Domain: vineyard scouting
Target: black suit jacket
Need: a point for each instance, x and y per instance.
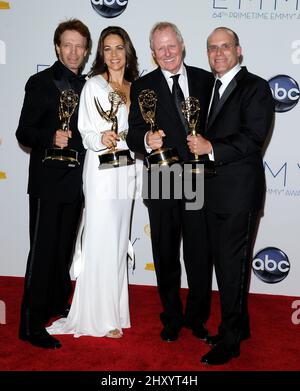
(38, 123)
(200, 84)
(237, 130)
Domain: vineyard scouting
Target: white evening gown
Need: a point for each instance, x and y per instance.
(100, 301)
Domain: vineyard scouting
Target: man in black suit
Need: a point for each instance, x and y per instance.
(169, 218)
(55, 193)
(239, 120)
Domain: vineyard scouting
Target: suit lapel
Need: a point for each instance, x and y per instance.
(165, 97)
(192, 83)
(61, 82)
(229, 90)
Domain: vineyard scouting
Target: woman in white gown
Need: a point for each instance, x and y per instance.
(100, 303)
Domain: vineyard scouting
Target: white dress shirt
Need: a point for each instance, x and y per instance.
(225, 80)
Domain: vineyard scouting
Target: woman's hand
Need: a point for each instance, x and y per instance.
(109, 138)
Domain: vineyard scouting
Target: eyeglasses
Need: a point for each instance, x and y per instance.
(223, 47)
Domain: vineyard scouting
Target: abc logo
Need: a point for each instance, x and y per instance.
(271, 265)
(285, 92)
(109, 8)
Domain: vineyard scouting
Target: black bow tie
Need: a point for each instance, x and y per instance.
(76, 78)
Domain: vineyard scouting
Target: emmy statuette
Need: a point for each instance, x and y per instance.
(114, 157)
(64, 157)
(161, 156)
(190, 110)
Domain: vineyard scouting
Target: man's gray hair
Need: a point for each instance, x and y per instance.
(162, 26)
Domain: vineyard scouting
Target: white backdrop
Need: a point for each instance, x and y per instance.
(270, 38)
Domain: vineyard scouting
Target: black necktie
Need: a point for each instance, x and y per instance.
(216, 97)
(178, 97)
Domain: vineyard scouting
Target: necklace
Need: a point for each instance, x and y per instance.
(122, 89)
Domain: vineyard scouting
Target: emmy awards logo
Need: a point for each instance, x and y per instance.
(114, 157)
(191, 110)
(64, 157)
(161, 156)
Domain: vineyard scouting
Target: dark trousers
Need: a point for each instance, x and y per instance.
(47, 287)
(232, 237)
(170, 221)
